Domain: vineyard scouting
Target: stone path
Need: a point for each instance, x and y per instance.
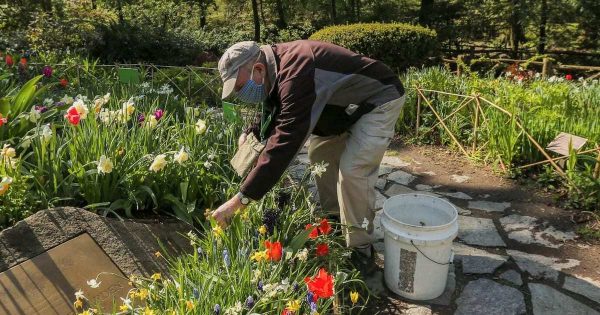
(498, 268)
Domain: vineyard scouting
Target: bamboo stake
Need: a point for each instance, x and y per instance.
(476, 122)
(561, 158)
(443, 124)
(446, 93)
(597, 168)
(418, 114)
(451, 114)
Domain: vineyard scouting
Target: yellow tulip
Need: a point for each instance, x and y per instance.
(354, 297)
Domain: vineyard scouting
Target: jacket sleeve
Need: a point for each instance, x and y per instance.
(292, 127)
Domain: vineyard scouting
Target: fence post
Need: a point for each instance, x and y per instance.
(418, 114)
(597, 168)
(546, 67)
(459, 62)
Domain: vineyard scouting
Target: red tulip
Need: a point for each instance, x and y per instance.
(64, 82)
(274, 250)
(569, 77)
(73, 116)
(314, 233)
(3, 120)
(324, 227)
(322, 249)
(9, 61)
(286, 312)
(321, 285)
(23, 61)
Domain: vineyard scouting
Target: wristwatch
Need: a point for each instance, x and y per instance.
(243, 199)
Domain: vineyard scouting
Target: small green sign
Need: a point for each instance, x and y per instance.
(231, 112)
(129, 75)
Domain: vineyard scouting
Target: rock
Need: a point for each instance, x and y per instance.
(430, 173)
(526, 230)
(379, 200)
(512, 276)
(384, 170)
(446, 297)
(375, 283)
(297, 171)
(422, 187)
(380, 184)
(380, 250)
(396, 189)
(486, 297)
(583, 286)
(548, 301)
(303, 158)
(462, 211)
(401, 177)
(394, 161)
(378, 232)
(314, 194)
(478, 231)
(460, 178)
(489, 206)
(413, 309)
(539, 266)
(456, 195)
(477, 261)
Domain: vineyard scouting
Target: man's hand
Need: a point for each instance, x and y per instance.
(242, 139)
(225, 212)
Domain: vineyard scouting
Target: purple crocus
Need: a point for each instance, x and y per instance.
(158, 114)
(141, 118)
(41, 109)
(47, 71)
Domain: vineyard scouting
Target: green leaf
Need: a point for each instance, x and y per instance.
(25, 96)
(299, 240)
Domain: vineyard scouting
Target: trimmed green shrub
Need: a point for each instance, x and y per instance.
(398, 45)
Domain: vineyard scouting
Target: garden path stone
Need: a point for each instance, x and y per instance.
(380, 250)
(459, 178)
(530, 230)
(512, 276)
(430, 173)
(385, 169)
(583, 286)
(456, 195)
(379, 200)
(478, 231)
(376, 283)
(378, 232)
(303, 158)
(489, 206)
(396, 189)
(394, 161)
(380, 184)
(297, 171)
(422, 187)
(486, 297)
(130, 245)
(477, 261)
(548, 301)
(401, 177)
(539, 266)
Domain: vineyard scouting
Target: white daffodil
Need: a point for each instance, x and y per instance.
(302, 255)
(48, 102)
(46, 133)
(34, 115)
(105, 165)
(67, 100)
(5, 185)
(160, 161)
(319, 169)
(207, 164)
(200, 127)
(181, 156)
(81, 108)
(93, 283)
(8, 152)
(79, 295)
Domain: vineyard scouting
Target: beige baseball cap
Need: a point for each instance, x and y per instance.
(235, 57)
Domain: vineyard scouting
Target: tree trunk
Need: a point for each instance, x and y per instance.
(262, 12)
(256, 20)
(543, 21)
(515, 28)
(333, 13)
(281, 24)
(93, 4)
(120, 10)
(425, 12)
(357, 10)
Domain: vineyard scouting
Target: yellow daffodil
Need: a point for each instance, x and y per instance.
(259, 256)
(155, 276)
(354, 297)
(128, 108)
(181, 156)
(200, 127)
(142, 294)
(5, 185)
(262, 230)
(86, 312)
(105, 165)
(78, 303)
(158, 255)
(123, 308)
(148, 311)
(151, 122)
(160, 161)
(217, 230)
(293, 305)
(189, 305)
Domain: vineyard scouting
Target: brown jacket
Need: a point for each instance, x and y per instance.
(312, 85)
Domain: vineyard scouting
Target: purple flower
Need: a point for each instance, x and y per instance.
(141, 118)
(41, 109)
(260, 286)
(217, 309)
(47, 71)
(200, 252)
(249, 302)
(196, 293)
(159, 113)
(226, 258)
(310, 297)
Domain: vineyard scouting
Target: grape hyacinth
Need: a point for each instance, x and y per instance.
(226, 258)
(249, 302)
(217, 309)
(196, 293)
(269, 219)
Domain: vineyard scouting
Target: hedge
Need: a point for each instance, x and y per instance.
(398, 45)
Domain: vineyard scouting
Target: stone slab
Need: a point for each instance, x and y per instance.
(530, 230)
(394, 161)
(379, 200)
(489, 206)
(384, 170)
(459, 178)
(477, 261)
(380, 184)
(539, 266)
(486, 297)
(303, 158)
(479, 231)
(396, 189)
(401, 177)
(512, 276)
(456, 195)
(548, 301)
(583, 286)
(46, 284)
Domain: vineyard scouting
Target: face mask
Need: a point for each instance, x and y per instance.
(252, 92)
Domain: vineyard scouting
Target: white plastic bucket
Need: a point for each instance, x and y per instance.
(419, 230)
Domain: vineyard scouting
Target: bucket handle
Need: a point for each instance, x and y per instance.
(443, 264)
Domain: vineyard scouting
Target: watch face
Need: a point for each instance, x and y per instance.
(245, 200)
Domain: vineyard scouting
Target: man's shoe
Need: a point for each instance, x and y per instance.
(363, 258)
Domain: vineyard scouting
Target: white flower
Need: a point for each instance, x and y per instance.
(5, 184)
(82, 98)
(288, 255)
(126, 302)
(302, 255)
(128, 108)
(79, 295)
(234, 310)
(81, 108)
(365, 223)
(48, 102)
(67, 100)
(160, 161)
(256, 276)
(145, 85)
(319, 169)
(93, 283)
(8, 152)
(207, 164)
(46, 133)
(105, 165)
(200, 127)
(34, 115)
(181, 156)
(106, 97)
